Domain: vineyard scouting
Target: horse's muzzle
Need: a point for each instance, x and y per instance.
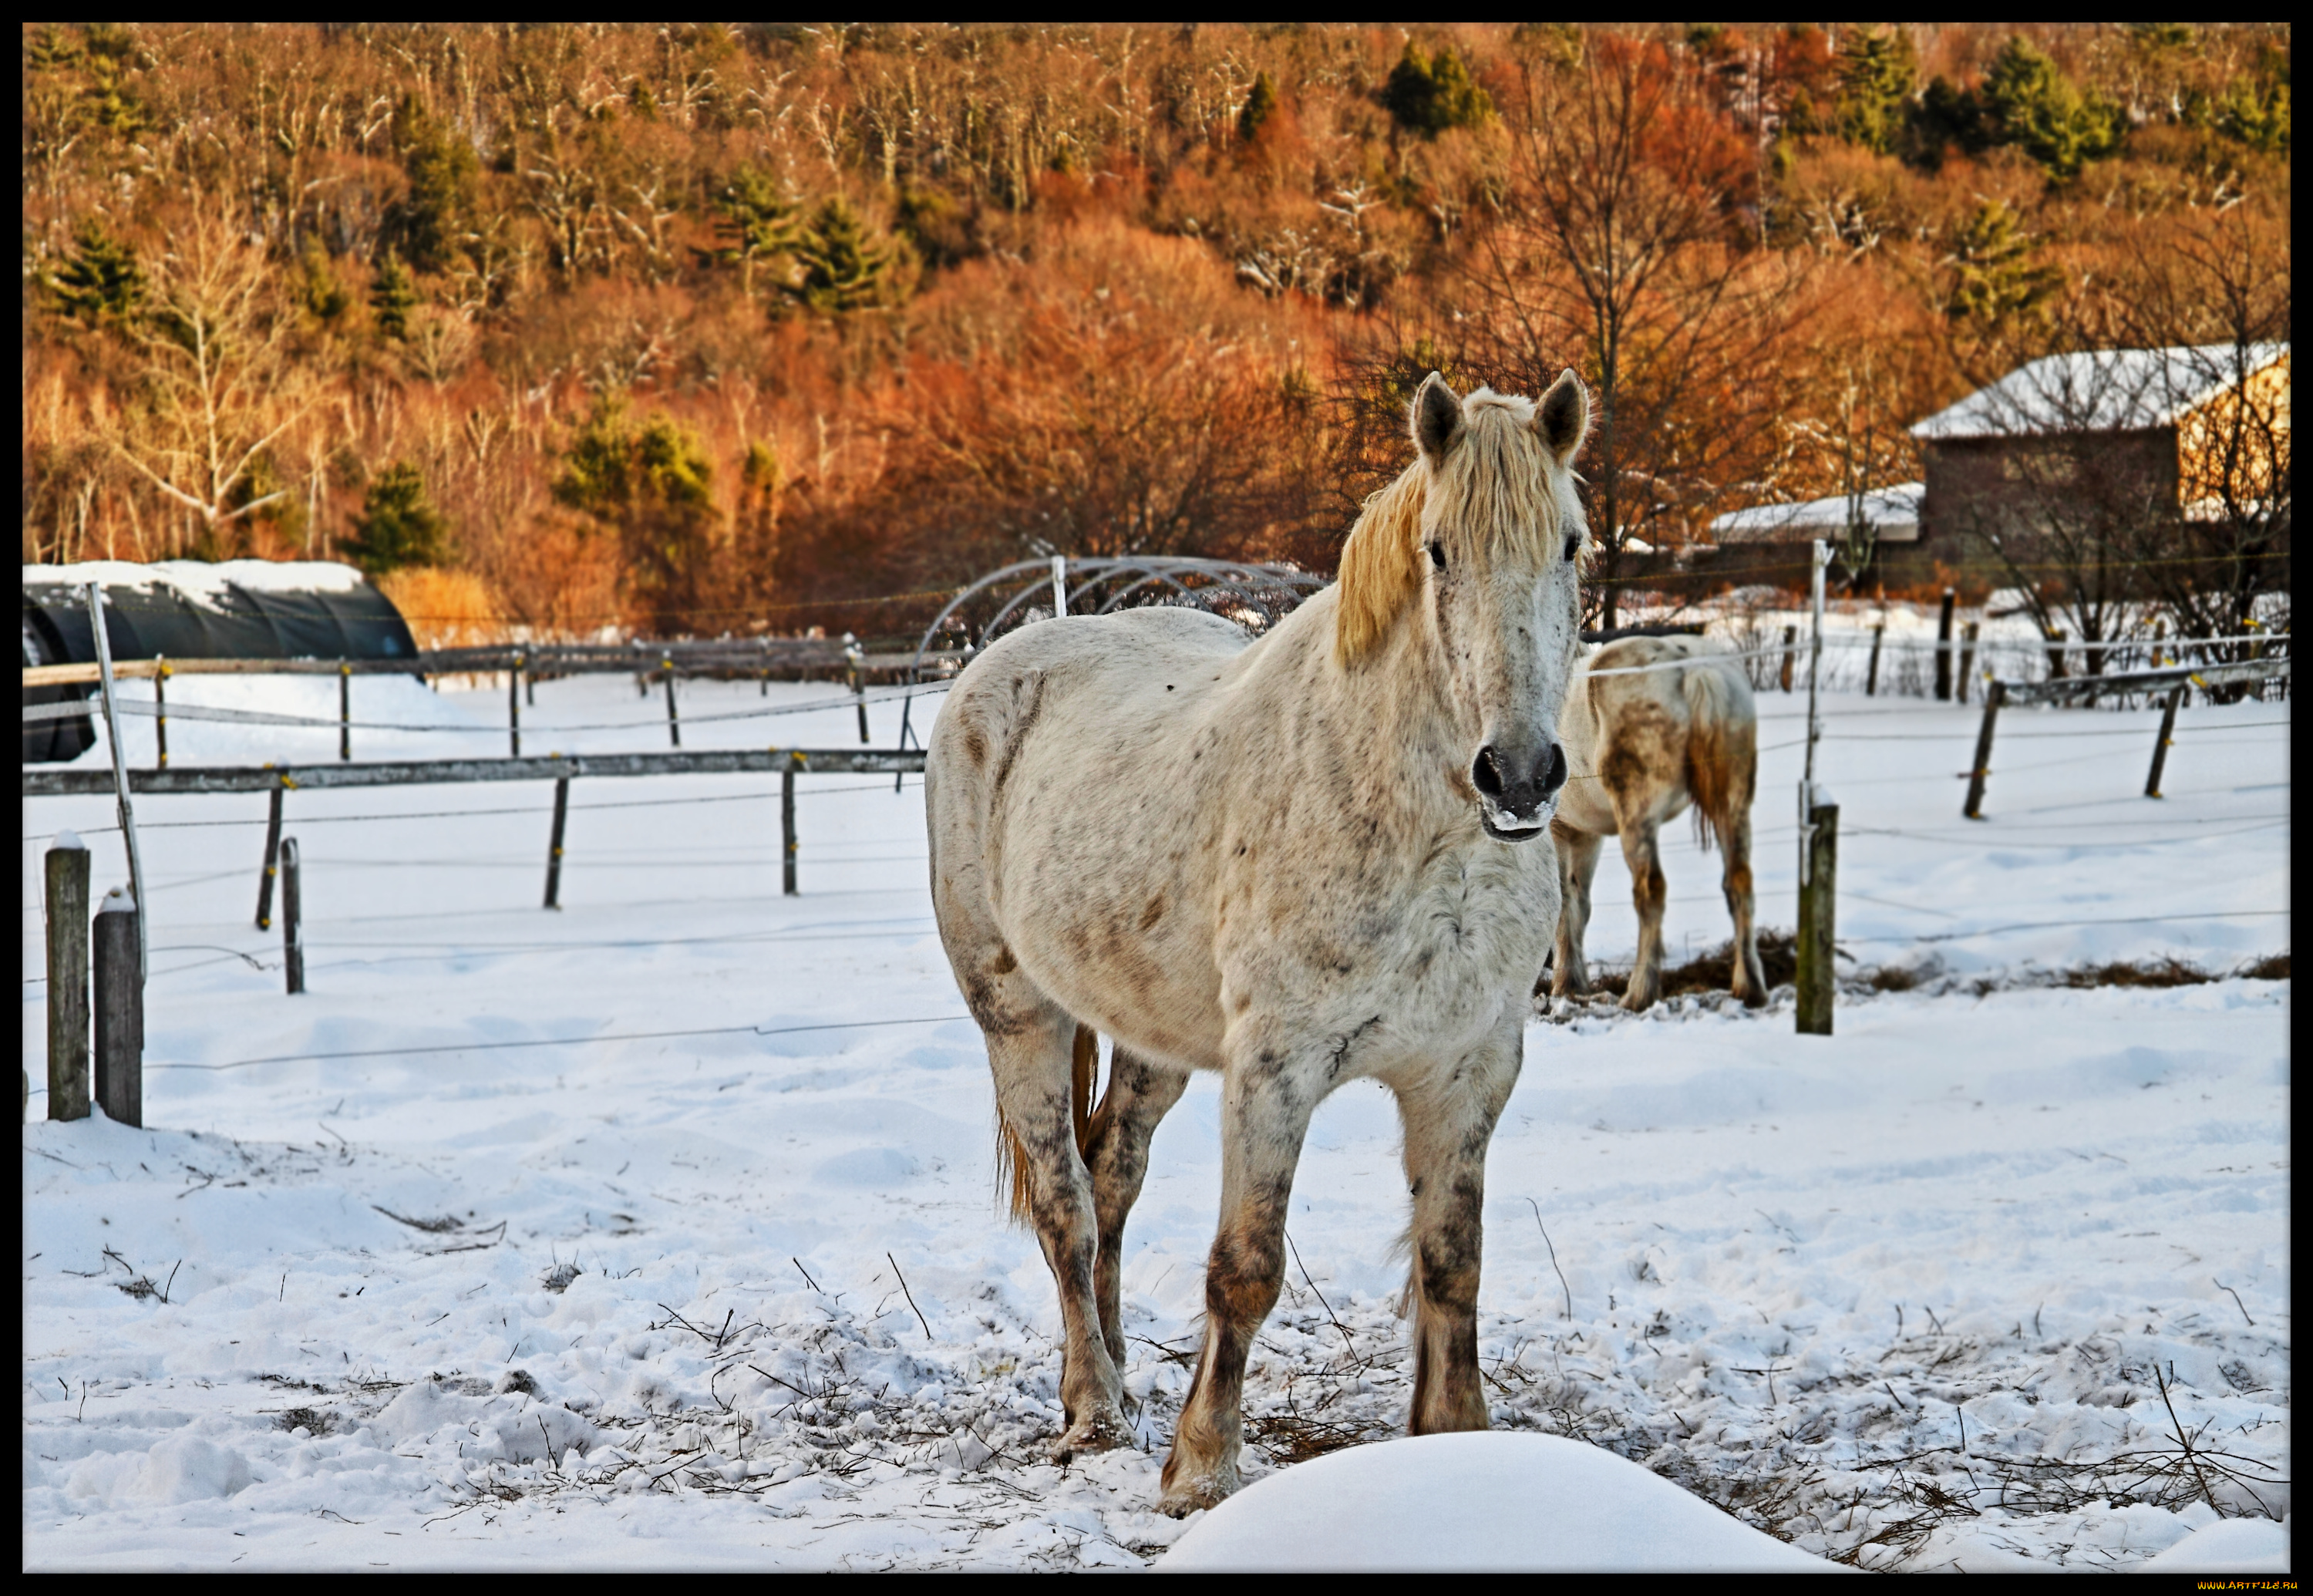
(1517, 788)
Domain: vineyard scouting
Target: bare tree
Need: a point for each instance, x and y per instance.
(2221, 291)
(1619, 248)
(218, 381)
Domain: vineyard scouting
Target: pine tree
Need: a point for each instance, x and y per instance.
(321, 289)
(757, 221)
(1428, 96)
(1877, 71)
(652, 485)
(1997, 281)
(52, 49)
(100, 285)
(842, 268)
(393, 298)
(398, 525)
(434, 216)
(2036, 108)
(1260, 107)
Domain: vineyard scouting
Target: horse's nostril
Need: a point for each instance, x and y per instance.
(1553, 775)
(1488, 778)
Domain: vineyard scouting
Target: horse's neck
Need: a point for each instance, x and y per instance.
(1394, 704)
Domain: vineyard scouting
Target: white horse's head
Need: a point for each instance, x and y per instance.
(1479, 544)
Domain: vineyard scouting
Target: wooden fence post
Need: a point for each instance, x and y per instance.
(68, 907)
(786, 831)
(1944, 648)
(292, 932)
(1818, 976)
(1871, 677)
(1968, 658)
(161, 711)
(2057, 653)
(554, 849)
(1790, 636)
(272, 855)
(119, 1011)
(674, 727)
(2160, 744)
(1994, 695)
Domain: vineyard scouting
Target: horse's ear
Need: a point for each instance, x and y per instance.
(1563, 419)
(1436, 418)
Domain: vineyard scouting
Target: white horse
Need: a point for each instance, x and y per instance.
(1681, 728)
(1298, 860)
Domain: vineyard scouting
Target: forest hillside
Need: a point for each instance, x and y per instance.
(694, 330)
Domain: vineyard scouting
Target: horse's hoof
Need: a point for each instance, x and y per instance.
(1097, 1433)
(1179, 1501)
(1638, 1003)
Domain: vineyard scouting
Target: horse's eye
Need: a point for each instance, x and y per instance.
(1573, 543)
(1437, 555)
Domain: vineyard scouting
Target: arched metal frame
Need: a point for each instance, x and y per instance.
(1225, 587)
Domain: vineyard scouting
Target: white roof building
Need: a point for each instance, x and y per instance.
(2100, 390)
(1893, 513)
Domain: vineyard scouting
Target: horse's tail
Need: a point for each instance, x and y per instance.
(1722, 749)
(1012, 1158)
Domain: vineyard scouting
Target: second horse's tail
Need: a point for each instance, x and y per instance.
(1722, 749)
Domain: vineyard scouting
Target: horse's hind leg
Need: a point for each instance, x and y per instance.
(1117, 1153)
(1648, 893)
(1032, 1055)
(1749, 983)
(1578, 866)
(1449, 1119)
(1265, 1107)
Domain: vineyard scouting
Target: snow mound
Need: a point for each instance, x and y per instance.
(2232, 1545)
(1467, 1502)
(181, 1468)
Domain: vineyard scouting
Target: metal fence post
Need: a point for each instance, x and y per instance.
(513, 705)
(345, 710)
(66, 901)
(161, 711)
(674, 727)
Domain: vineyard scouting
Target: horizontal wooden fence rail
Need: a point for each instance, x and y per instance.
(2171, 679)
(680, 659)
(550, 767)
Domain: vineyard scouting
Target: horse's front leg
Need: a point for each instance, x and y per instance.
(1648, 893)
(1265, 1109)
(1139, 1096)
(1449, 1120)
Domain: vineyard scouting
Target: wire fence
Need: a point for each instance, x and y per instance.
(1850, 648)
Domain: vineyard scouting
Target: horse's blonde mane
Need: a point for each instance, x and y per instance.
(1491, 468)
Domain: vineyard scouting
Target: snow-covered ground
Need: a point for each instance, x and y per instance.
(679, 1205)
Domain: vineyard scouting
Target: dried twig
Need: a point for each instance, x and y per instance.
(1346, 1341)
(807, 1280)
(2237, 1302)
(910, 1296)
(1554, 1256)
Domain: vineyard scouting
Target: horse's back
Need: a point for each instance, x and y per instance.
(1063, 782)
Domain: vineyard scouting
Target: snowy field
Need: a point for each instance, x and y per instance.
(679, 1203)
